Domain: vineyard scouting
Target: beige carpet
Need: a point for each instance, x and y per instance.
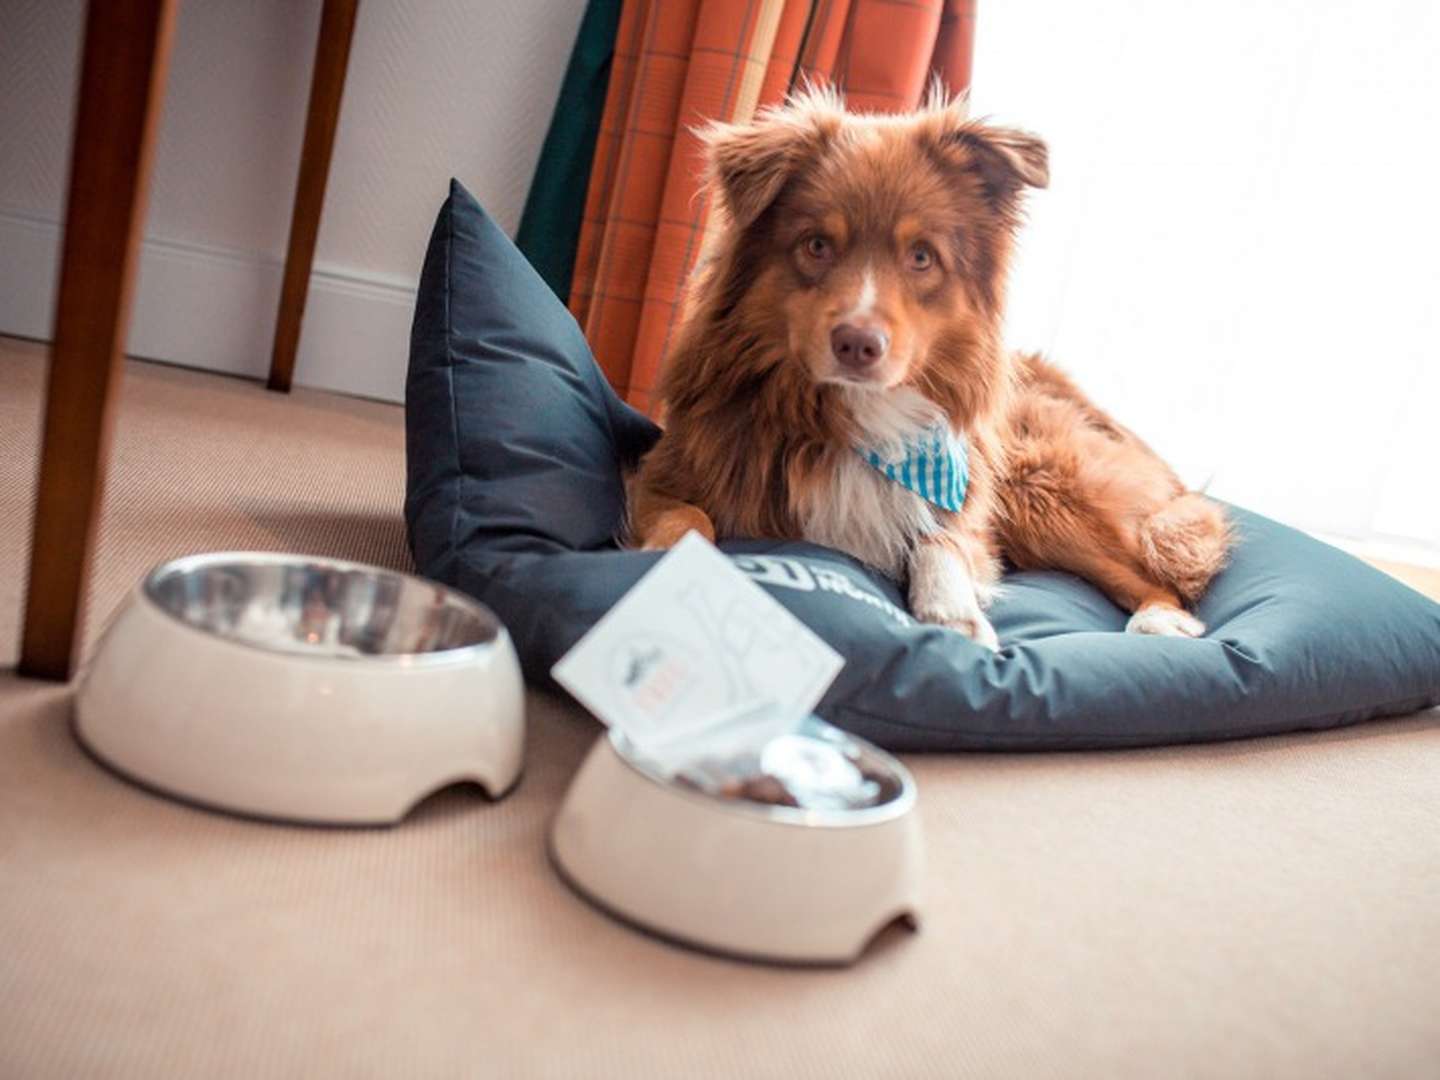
(1258, 909)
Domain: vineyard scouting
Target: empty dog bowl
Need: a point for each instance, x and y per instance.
(797, 845)
(303, 688)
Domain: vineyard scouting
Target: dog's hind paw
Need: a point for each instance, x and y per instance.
(1166, 621)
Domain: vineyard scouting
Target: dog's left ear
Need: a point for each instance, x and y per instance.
(1005, 159)
(749, 164)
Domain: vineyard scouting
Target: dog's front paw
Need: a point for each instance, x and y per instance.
(1166, 621)
(942, 592)
(664, 530)
(973, 624)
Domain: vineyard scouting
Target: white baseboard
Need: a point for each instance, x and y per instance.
(214, 309)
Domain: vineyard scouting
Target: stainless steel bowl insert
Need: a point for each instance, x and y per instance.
(804, 772)
(320, 607)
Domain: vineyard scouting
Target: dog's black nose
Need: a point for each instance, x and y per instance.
(857, 346)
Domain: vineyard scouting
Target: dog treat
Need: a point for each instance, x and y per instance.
(798, 769)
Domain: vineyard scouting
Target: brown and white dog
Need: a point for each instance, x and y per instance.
(853, 297)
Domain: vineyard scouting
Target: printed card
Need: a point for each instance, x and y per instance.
(694, 642)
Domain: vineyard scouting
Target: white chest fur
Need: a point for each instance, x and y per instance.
(860, 511)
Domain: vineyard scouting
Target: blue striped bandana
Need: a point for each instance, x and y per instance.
(934, 464)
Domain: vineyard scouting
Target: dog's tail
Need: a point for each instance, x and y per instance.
(1186, 543)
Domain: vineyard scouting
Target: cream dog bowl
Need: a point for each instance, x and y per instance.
(795, 845)
(308, 689)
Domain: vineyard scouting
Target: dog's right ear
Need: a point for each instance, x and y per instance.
(748, 164)
(1007, 159)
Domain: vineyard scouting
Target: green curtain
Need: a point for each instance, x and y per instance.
(550, 226)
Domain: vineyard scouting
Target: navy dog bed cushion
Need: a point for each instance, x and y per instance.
(516, 448)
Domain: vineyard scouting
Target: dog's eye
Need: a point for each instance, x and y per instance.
(921, 257)
(817, 247)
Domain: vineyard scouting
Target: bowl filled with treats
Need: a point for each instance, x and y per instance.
(762, 837)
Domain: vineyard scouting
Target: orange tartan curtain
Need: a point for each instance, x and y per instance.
(679, 63)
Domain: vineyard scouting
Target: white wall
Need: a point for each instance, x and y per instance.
(436, 88)
(1240, 251)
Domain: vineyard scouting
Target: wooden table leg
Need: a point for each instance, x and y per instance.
(122, 84)
(327, 84)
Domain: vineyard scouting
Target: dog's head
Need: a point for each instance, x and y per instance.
(872, 250)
